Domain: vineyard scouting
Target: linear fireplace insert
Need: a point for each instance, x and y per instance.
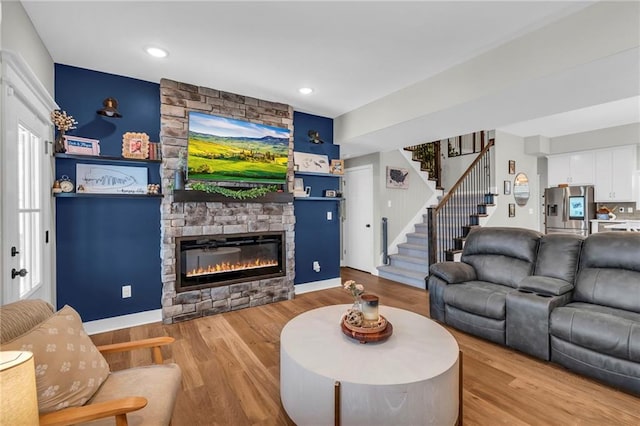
(217, 260)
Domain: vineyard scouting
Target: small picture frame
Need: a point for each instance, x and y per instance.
(135, 145)
(512, 210)
(507, 187)
(397, 177)
(81, 146)
(337, 167)
(512, 167)
(330, 193)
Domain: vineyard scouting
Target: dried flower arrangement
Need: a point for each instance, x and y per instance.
(355, 289)
(62, 121)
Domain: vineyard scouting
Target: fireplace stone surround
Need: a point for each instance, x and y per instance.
(197, 218)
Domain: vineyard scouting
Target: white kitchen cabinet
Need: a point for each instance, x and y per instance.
(576, 168)
(614, 173)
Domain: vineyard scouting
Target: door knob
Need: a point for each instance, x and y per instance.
(22, 273)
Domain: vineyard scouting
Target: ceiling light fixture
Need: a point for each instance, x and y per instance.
(156, 52)
(305, 90)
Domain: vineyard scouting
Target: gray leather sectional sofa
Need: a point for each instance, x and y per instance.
(557, 297)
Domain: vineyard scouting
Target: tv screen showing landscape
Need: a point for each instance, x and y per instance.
(224, 149)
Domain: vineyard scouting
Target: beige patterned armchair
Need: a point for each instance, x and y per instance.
(73, 379)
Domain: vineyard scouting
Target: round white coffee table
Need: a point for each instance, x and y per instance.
(410, 379)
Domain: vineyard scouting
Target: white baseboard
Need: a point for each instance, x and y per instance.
(123, 321)
(317, 285)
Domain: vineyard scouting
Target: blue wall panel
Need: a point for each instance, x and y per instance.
(317, 239)
(105, 243)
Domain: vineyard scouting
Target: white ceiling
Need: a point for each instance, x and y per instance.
(351, 53)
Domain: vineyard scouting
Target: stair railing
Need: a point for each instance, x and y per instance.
(428, 154)
(460, 208)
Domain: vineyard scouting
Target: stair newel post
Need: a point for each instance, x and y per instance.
(433, 235)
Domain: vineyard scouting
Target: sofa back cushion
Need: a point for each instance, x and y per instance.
(19, 317)
(558, 256)
(609, 271)
(501, 255)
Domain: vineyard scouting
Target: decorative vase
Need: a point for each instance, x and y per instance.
(58, 146)
(178, 182)
(357, 303)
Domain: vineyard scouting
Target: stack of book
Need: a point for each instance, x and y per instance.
(154, 151)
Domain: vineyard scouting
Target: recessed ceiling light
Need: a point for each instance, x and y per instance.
(305, 90)
(156, 52)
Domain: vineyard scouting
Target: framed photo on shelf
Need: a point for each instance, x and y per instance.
(81, 146)
(135, 145)
(507, 187)
(512, 210)
(512, 167)
(108, 179)
(337, 167)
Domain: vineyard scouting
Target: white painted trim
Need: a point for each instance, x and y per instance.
(123, 321)
(317, 285)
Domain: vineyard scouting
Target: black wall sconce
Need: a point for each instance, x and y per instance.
(110, 108)
(314, 136)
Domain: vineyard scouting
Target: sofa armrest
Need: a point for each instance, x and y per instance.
(545, 285)
(453, 272)
(117, 407)
(154, 343)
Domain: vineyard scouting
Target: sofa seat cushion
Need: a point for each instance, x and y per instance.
(158, 383)
(603, 329)
(478, 297)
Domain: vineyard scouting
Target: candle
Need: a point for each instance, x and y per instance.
(370, 307)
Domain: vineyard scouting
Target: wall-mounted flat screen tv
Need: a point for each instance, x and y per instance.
(228, 150)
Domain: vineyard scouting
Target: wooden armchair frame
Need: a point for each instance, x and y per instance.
(117, 407)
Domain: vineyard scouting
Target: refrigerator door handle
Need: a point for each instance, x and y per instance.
(565, 200)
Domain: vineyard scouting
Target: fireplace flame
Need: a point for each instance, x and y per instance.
(228, 267)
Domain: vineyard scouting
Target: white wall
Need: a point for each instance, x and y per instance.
(19, 36)
(511, 147)
(405, 203)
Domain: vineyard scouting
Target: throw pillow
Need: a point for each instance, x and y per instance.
(69, 367)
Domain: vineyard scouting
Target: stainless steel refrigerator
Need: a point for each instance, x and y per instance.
(569, 209)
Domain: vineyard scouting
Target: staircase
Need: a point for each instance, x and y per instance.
(468, 201)
(464, 207)
(410, 266)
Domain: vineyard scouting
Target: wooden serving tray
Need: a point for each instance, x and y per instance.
(368, 337)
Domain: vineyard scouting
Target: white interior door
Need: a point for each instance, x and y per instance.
(358, 218)
(27, 251)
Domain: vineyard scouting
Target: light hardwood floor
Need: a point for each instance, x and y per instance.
(230, 364)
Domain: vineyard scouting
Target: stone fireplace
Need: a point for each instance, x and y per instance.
(206, 224)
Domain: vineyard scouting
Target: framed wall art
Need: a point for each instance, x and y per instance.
(512, 210)
(337, 167)
(512, 167)
(397, 177)
(507, 187)
(135, 145)
(107, 179)
(315, 163)
(81, 146)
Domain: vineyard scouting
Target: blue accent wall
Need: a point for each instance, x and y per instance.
(105, 243)
(317, 239)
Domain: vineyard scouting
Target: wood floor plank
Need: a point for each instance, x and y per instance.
(231, 368)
